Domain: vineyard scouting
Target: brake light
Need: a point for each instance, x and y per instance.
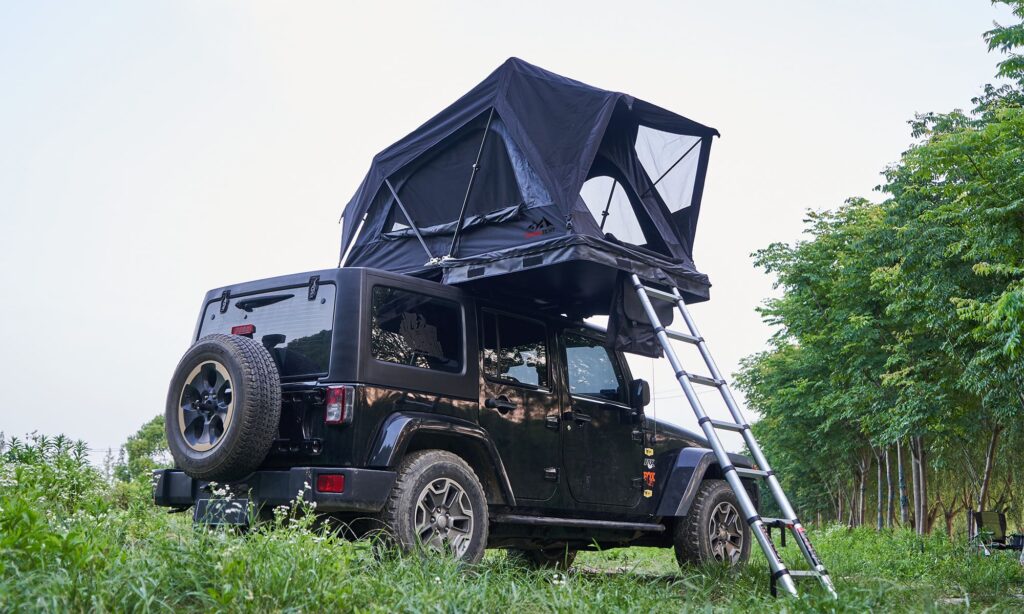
(330, 482)
(245, 330)
(339, 402)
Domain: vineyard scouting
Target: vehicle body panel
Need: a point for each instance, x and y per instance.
(537, 447)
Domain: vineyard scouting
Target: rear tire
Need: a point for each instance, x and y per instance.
(437, 503)
(555, 557)
(714, 531)
(223, 408)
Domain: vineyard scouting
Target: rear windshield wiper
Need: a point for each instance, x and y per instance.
(249, 304)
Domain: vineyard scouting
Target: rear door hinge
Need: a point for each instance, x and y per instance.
(314, 287)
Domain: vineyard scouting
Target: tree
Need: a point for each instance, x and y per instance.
(143, 452)
(901, 324)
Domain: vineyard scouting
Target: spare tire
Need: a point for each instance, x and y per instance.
(223, 408)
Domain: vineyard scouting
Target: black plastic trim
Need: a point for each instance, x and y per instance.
(366, 490)
(399, 428)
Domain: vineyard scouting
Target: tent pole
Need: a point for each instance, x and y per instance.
(352, 243)
(686, 153)
(412, 224)
(608, 205)
(469, 188)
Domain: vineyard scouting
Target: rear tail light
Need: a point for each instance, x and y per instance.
(340, 400)
(245, 330)
(330, 482)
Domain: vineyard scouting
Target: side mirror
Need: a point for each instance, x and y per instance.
(639, 394)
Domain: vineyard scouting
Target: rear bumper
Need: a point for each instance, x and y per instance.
(366, 490)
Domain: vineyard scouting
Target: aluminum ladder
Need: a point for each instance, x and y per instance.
(760, 527)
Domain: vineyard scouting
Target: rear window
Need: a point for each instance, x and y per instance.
(296, 330)
(409, 328)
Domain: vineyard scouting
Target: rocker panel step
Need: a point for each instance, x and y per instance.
(552, 521)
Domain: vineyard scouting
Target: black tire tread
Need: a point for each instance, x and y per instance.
(408, 471)
(687, 533)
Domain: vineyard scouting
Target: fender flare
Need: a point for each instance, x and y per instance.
(399, 428)
(691, 465)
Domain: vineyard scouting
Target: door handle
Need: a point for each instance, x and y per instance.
(500, 403)
(576, 416)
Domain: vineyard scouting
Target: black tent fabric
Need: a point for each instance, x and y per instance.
(537, 186)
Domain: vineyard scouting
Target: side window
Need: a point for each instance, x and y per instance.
(515, 350)
(409, 328)
(593, 372)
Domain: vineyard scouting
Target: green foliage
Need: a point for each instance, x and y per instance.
(904, 320)
(144, 451)
(66, 544)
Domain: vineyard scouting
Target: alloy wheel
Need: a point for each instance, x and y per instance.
(444, 517)
(206, 406)
(725, 531)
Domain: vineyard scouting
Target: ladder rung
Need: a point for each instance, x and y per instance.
(678, 336)
(658, 294)
(728, 426)
(706, 381)
(803, 573)
(751, 473)
(776, 522)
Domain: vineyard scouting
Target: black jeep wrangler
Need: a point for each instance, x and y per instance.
(452, 421)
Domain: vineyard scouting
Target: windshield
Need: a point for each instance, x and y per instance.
(296, 330)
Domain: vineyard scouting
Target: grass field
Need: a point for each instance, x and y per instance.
(71, 542)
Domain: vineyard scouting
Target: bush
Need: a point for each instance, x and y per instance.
(69, 541)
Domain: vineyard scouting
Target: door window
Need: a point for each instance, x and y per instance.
(515, 350)
(592, 369)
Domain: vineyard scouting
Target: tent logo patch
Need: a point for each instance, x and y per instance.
(538, 228)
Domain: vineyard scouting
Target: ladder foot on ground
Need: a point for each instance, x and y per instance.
(760, 527)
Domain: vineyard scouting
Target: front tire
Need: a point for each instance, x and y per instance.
(437, 504)
(714, 531)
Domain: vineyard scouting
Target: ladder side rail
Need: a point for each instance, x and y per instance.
(797, 529)
(737, 415)
(775, 562)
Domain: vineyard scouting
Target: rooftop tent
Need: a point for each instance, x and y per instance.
(560, 188)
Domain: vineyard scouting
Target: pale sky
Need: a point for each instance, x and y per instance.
(150, 151)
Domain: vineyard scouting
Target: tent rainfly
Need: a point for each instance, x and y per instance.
(540, 189)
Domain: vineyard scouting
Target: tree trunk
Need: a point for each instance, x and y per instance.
(890, 511)
(915, 493)
(902, 481)
(862, 489)
(924, 487)
(990, 461)
(880, 520)
(920, 461)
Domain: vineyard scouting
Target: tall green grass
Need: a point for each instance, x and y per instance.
(69, 541)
